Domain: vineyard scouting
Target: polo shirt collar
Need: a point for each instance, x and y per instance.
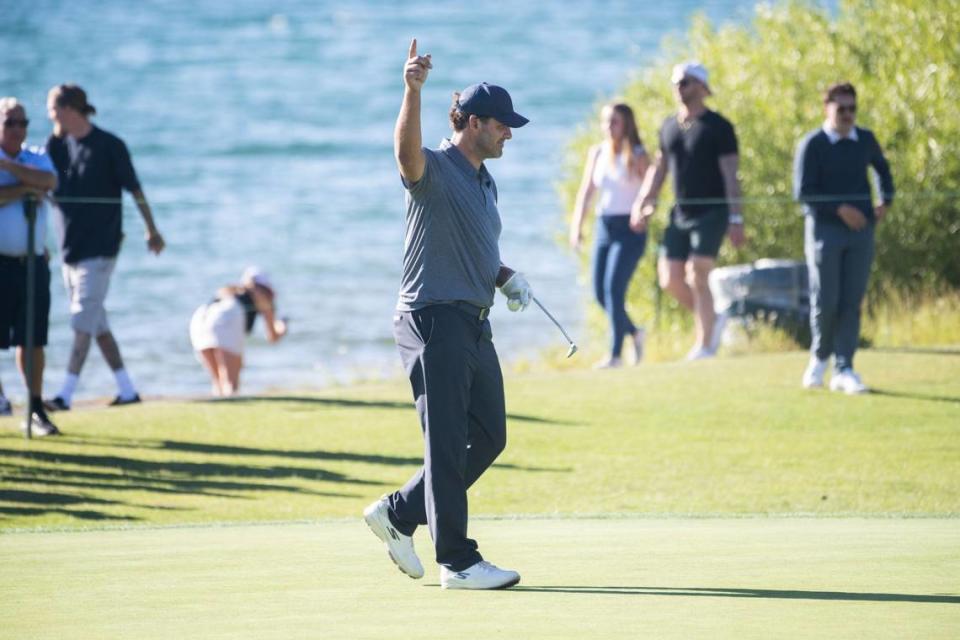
(834, 136)
(451, 151)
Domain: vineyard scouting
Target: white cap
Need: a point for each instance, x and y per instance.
(692, 69)
(256, 275)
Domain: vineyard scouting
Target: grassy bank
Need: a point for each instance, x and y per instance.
(731, 436)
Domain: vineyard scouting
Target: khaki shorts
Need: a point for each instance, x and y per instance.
(87, 283)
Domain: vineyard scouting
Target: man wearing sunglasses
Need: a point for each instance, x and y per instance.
(830, 179)
(24, 173)
(699, 147)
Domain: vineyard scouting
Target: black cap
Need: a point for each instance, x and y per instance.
(489, 100)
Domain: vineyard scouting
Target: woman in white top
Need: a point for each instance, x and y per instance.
(218, 328)
(615, 169)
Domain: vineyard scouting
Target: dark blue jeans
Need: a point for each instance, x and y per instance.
(838, 260)
(615, 257)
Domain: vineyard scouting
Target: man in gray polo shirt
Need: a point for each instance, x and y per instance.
(451, 268)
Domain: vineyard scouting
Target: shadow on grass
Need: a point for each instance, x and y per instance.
(720, 592)
(306, 454)
(82, 514)
(914, 396)
(362, 404)
(927, 351)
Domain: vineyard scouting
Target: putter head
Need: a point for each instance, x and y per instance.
(573, 350)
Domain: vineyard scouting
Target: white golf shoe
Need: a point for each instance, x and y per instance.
(813, 376)
(848, 382)
(399, 547)
(482, 575)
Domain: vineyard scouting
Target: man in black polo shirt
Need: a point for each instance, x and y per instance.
(700, 147)
(830, 179)
(93, 166)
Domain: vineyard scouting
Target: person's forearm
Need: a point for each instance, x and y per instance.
(734, 195)
(407, 138)
(30, 176)
(12, 193)
(652, 183)
(584, 198)
(145, 211)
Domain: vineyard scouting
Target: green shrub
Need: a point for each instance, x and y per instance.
(768, 77)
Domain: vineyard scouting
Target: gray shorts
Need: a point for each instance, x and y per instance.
(87, 283)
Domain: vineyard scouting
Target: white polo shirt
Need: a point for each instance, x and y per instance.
(13, 224)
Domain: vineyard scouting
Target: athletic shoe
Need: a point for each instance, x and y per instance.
(699, 353)
(609, 363)
(482, 575)
(56, 404)
(399, 547)
(813, 376)
(119, 401)
(40, 425)
(719, 324)
(6, 409)
(639, 337)
(848, 382)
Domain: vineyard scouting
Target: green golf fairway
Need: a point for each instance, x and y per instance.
(714, 500)
(616, 578)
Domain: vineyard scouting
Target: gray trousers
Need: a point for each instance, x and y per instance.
(457, 385)
(839, 260)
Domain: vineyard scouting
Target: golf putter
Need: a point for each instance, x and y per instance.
(573, 347)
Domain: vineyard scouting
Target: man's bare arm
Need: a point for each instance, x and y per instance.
(30, 176)
(729, 165)
(155, 242)
(407, 137)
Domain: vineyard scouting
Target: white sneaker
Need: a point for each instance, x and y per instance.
(639, 337)
(699, 353)
(848, 382)
(482, 575)
(813, 376)
(399, 547)
(609, 363)
(719, 324)
(40, 426)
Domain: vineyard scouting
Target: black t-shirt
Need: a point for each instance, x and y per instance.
(694, 156)
(95, 166)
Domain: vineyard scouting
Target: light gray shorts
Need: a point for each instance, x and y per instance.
(87, 283)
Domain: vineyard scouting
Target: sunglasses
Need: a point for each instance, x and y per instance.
(14, 122)
(684, 83)
(847, 108)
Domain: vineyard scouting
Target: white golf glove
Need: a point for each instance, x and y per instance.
(518, 292)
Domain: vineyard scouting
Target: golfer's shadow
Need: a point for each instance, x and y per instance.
(721, 592)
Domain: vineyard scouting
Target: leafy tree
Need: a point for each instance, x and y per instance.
(768, 78)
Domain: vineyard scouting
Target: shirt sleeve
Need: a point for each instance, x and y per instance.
(727, 139)
(123, 168)
(426, 182)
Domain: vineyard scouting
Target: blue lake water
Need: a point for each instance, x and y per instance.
(262, 133)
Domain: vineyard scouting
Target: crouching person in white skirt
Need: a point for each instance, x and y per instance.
(218, 329)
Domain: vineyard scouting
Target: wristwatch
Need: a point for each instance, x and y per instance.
(736, 218)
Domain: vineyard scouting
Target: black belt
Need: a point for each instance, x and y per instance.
(480, 313)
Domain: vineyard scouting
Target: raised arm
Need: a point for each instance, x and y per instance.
(729, 165)
(407, 138)
(584, 198)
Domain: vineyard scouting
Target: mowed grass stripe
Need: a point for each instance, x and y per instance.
(731, 436)
(669, 578)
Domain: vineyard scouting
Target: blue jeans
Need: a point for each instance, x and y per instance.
(839, 260)
(615, 258)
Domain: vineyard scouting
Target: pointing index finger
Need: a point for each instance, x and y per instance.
(413, 49)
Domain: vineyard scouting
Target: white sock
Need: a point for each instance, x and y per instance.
(69, 386)
(124, 384)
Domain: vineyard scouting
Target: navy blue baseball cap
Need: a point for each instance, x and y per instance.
(488, 100)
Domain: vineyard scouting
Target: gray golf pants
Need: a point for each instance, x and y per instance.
(838, 260)
(447, 351)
